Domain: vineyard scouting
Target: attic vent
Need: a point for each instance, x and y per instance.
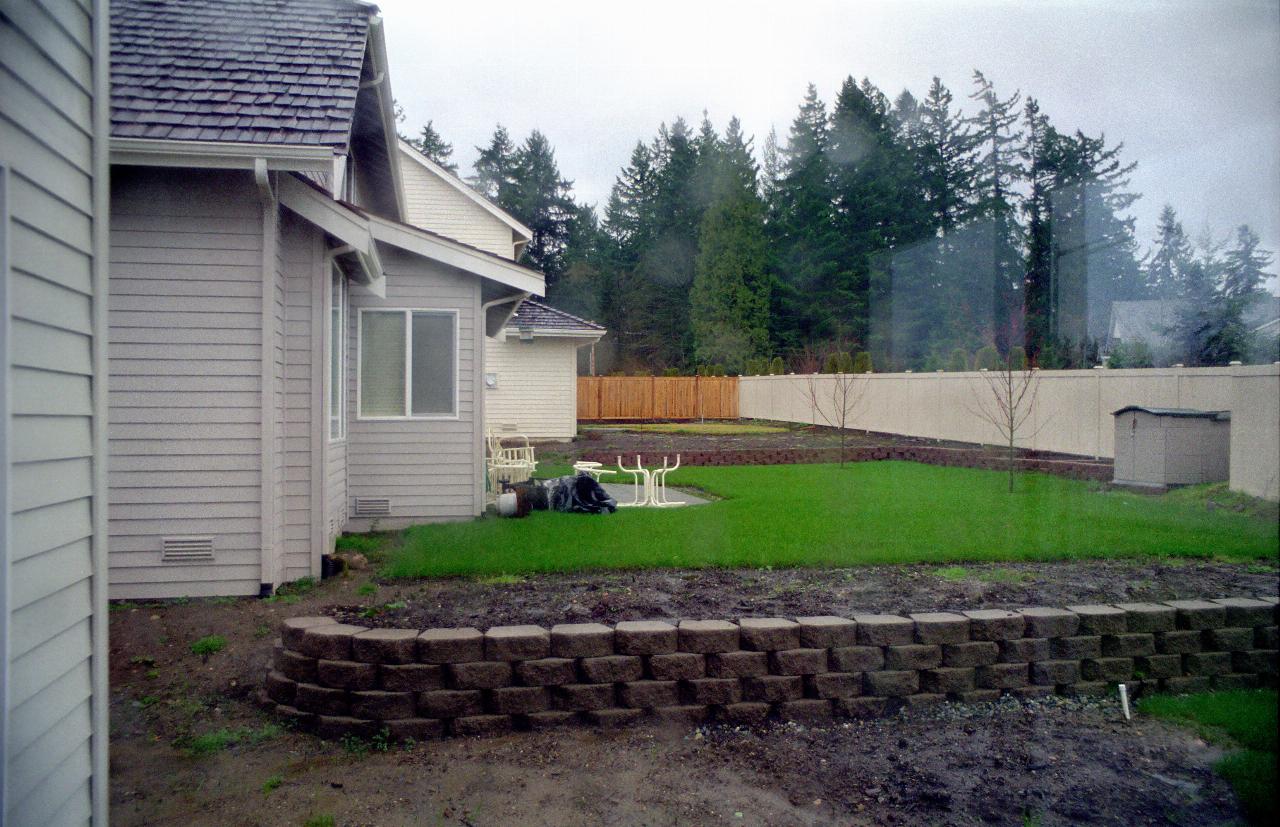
(373, 507)
(187, 550)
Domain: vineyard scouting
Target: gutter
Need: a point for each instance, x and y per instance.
(220, 155)
(267, 426)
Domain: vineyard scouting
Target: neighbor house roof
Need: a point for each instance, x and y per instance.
(1151, 320)
(237, 71)
(547, 320)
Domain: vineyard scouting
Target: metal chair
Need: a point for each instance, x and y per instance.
(658, 486)
(642, 495)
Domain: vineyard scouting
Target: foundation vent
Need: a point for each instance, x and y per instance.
(373, 507)
(186, 550)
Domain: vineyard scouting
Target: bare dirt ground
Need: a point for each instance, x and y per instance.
(733, 593)
(609, 437)
(1051, 762)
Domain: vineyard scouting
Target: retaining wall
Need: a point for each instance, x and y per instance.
(336, 679)
(1076, 468)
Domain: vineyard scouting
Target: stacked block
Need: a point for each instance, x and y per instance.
(337, 679)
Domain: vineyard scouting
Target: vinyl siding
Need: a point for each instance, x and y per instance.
(428, 468)
(52, 172)
(537, 390)
(301, 247)
(186, 373)
(434, 205)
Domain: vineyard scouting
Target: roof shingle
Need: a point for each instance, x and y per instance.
(538, 316)
(277, 71)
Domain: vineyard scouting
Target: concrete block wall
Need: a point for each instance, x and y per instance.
(336, 679)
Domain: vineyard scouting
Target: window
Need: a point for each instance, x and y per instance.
(408, 364)
(337, 356)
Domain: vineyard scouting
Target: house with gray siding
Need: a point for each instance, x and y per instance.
(290, 357)
(531, 367)
(53, 552)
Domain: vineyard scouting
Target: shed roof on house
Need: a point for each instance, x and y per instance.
(1177, 413)
(542, 318)
(237, 71)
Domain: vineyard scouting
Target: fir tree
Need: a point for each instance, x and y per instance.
(730, 293)
(431, 144)
(803, 231)
(1244, 269)
(1171, 258)
(948, 158)
(541, 199)
(495, 168)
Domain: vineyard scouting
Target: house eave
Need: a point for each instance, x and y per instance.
(152, 152)
(457, 255)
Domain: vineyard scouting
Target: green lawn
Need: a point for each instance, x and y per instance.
(1245, 719)
(825, 515)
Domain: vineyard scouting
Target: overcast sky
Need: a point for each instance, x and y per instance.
(1192, 88)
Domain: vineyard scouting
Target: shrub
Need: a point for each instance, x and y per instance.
(671, 371)
(861, 363)
(987, 358)
(1136, 354)
(959, 361)
(838, 362)
(776, 368)
(209, 645)
(1017, 358)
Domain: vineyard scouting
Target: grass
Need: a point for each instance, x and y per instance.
(209, 645)
(211, 743)
(1244, 719)
(697, 428)
(825, 515)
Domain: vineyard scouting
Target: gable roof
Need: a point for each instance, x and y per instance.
(238, 71)
(548, 321)
(412, 154)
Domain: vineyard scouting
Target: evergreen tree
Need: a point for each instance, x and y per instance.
(495, 168)
(730, 292)
(997, 173)
(431, 144)
(541, 199)
(803, 231)
(1171, 258)
(1244, 269)
(771, 166)
(948, 158)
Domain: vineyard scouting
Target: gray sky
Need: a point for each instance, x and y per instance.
(1192, 88)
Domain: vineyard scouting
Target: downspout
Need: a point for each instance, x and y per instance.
(267, 197)
(478, 442)
(320, 507)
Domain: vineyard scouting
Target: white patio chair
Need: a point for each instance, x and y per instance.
(641, 481)
(658, 486)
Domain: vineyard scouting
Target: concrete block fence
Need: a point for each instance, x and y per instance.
(336, 679)
(1076, 468)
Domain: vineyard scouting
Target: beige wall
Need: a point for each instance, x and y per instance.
(428, 468)
(434, 205)
(53, 214)
(537, 390)
(1072, 414)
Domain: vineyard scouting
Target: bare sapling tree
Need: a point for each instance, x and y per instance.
(835, 397)
(1008, 402)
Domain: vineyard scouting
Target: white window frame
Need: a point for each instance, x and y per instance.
(408, 363)
(340, 415)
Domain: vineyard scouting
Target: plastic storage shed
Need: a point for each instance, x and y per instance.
(1163, 447)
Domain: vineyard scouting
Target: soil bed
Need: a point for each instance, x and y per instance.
(1050, 762)
(600, 437)
(732, 593)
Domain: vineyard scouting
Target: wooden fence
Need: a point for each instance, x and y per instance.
(657, 397)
